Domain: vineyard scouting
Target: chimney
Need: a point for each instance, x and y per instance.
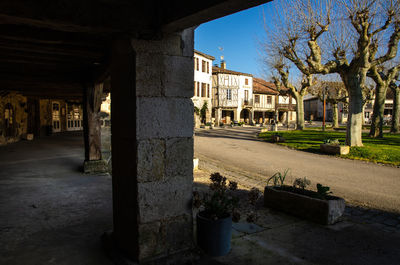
(223, 64)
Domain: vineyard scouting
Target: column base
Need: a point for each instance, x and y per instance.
(95, 166)
(118, 257)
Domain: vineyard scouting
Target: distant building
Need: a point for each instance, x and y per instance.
(264, 98)
(202, 84)
(285, 107)
(232, 96)
(313, 109)
(314, 106)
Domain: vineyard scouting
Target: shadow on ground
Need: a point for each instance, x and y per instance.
(277, 238)
(52, 214)
(230, 133)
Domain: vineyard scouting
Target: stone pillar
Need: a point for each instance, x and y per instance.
(236, 115)
(284, 117)
(92, 130)
(152, 147)
(218, 116)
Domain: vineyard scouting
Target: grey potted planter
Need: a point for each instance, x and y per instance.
(214, 236)
(214, 221)
(305, 204)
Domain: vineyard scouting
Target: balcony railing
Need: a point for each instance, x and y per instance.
(286, 106)
(247, 102)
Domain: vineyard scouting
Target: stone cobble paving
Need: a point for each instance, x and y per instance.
(378, 219)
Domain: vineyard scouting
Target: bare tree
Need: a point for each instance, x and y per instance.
(383, 77)
(297, 93)
(334, 93)
(396, 105)
(302, 40)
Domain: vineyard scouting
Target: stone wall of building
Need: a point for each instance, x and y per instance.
(13, 117)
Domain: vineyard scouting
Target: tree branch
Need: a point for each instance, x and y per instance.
(386, 25)
(392, 46)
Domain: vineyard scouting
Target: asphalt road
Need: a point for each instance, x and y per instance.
(361, 183)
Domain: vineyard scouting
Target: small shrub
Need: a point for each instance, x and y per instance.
(254, 195)
(196, 110)
(323, 191)
(301, 183)
(221, 203)
(332, 141)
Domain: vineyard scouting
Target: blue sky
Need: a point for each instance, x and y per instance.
(239, 35)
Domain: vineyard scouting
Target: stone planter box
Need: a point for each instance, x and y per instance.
(277, 139)
(335, 149)
(324, 212)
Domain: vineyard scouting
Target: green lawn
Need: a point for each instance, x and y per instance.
(386, 150)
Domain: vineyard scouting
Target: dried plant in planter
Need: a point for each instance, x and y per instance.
(254, 195)
(301, 183)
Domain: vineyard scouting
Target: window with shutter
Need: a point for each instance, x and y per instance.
(203, 90)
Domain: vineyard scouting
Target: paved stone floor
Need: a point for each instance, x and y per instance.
(51, 213)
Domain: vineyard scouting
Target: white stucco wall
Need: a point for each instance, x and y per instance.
(202, 78)
(243, 87)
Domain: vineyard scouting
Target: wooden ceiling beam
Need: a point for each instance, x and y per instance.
(10, 54)
(89, 16)
(49, 50)
(29, 34)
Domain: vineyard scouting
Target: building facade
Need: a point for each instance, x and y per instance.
(313, 110)
(232, 96)
(285, 108)
(202, 87)
(264, 99)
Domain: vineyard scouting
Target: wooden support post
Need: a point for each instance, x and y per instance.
(92, 130)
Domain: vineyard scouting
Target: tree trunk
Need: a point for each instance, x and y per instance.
(396, 110)
(353, 82)
(379, 108)
(335, 115)
(299, 112)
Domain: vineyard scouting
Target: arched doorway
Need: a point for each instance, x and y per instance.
(245, 116)
(9, 120)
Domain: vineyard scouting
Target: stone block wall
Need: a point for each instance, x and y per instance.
(164, 134)
(152, 146)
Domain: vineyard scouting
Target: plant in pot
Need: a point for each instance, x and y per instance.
(217, 211)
